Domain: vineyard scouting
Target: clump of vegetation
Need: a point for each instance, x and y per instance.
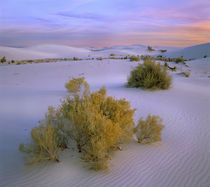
(163, 51)
(98, 124)
(112, 54)
(75, 59)
(44, 144)
(18, 63)
(3, 59)
(166, 64)
(205, 56)
(172, 68)
(186, 74)
(99, 58)
(134, 58)
(149, 75)
(179, 59)
(149, 48)
(149, 130)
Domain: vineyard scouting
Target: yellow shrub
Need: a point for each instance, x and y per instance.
(134, 58)
(149, 130)
(44, 144)
(97, 123)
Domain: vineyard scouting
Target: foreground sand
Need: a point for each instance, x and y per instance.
(181, 159)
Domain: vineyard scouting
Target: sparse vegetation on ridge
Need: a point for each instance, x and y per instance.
(134, 58)
(3, 59)
(149, 75)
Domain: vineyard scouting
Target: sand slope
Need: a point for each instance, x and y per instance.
(194, 52)
(181, 159)
(42, 51)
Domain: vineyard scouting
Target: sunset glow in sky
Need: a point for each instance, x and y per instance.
(104, 22)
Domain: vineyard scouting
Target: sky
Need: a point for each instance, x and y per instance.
(102, 23)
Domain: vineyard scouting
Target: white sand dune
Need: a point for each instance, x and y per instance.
(194, 52)
(181, 159)
(42, 51)
(61, 51)
(123, 50)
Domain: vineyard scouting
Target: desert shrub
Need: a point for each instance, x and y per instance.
(149, 75)
(3, 59)
(172, 68)
(179, 59)
(75, 59)
(19, 63)
(99, 58)
(44, 144)
(112, 54)
(12, 61)
(75, 85)
(149, 48)
(163, 51)
(187, 74)
(97, 123)
(134, 58)
(47, 139)
(149, 130)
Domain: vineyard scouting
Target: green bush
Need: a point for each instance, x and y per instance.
(149, 130)
(149, 75)
(134, 58)
(3, 59)
(112, 54)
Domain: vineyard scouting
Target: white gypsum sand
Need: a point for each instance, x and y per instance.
(181, 159)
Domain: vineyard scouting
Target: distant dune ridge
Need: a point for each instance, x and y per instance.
(194, 52)
(61, 51)
(43, 51)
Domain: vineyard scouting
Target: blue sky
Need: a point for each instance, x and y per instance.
(104, 22)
